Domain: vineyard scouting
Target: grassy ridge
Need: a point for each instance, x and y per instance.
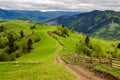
(38, 64)
(43, 53)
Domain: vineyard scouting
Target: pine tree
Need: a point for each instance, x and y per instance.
(11, 44)
(21, 33)
(87, 40)
(1, 28)
(29, 45)
(63, 26)
(118, 45)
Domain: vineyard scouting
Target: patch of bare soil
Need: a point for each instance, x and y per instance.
(82, 73)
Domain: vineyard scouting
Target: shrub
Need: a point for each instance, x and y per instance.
(37, 38)
(33, 27)
(12, 46)
(12, 56)
(55, 37)
(87, 51)
(21, 33)
(61, 31)
(4, 56)
(58, 32)
(11, 41)
(98, 51)
(29, 45)
(18, 54)
(2, 28)
(3, 42)
(80, 48)
(87, 41)
(118, 46)
(65, 31)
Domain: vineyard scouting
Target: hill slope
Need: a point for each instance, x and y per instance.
(103, 24)
(39, 64)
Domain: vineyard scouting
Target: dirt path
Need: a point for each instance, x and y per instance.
(57, 54)
(80, 72)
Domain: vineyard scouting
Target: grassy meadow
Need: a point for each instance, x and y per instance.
(39, 63)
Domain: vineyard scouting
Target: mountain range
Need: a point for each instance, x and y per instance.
(33, 15)
(101, 24)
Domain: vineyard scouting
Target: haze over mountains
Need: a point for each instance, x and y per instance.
(33, 15)
(102, 24)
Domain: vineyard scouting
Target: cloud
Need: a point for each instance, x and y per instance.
(61, 5)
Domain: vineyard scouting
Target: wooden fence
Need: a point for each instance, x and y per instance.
(116, 64)
(111, 61)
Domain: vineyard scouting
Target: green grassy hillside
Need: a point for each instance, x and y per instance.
(38, 64)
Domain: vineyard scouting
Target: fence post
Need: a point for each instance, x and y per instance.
(100, 61)
(91, 60)
(110, 61)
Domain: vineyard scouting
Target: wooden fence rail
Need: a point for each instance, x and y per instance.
(111, 62)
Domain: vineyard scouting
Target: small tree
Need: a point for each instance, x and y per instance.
(1, 28)
(29, 45)
(21, 33)
(63, 26)
(118, 46)
(98, 52)
(11, 43)
(65, 32)
(33, 27)
(87, 40)
(72, 28)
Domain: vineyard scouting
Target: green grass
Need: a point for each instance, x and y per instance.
(108, 69)
(43, 53)
(34, 72)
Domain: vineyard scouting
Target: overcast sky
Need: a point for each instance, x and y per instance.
(61, 5)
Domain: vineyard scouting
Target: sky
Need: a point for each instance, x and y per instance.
(61, 5)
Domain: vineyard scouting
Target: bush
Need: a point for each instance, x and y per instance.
(4, 56)
(2, 28)
(65, 31)
(55, 37)
(3, 42)
(29, 45)
(87, 51)
(58, 32)
(87, 41)
(21, 33)
(80, 48)
(18, 54)
(33, 27)
(12, 56)
(61, 31)
(11, 44)
(37, 38)
(98, 52)
(118, 46)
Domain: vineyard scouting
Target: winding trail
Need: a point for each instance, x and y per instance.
(80, 72)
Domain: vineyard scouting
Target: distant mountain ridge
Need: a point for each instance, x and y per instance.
(33, 15)
(102, 24)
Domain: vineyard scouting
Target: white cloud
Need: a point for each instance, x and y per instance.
(61, 5)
